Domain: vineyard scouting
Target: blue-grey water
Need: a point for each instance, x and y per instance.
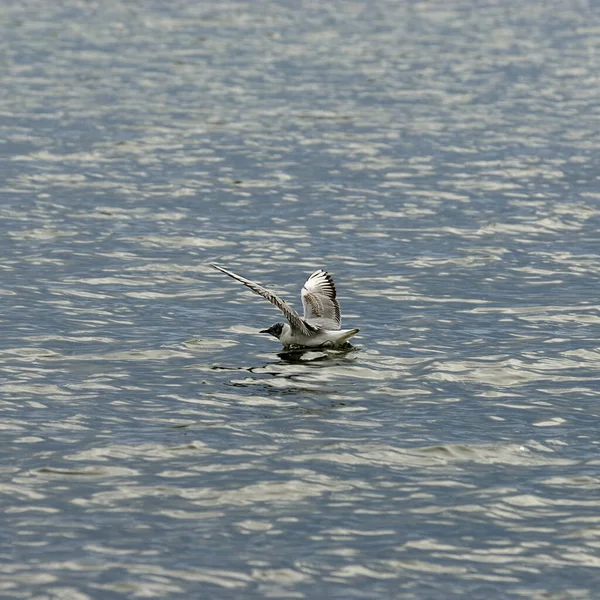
(440, 159)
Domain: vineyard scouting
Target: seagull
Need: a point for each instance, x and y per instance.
(320, 325)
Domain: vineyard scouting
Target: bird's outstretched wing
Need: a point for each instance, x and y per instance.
(319, 300)
(295, 320)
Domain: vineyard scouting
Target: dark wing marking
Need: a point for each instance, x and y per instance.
(295, 320)
(319, 298)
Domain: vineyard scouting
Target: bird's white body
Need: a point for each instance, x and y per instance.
(326, 338)
(320, 325)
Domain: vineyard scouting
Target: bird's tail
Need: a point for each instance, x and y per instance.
(346, 334)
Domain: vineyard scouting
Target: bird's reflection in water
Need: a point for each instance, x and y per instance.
(306, 355)
(307, 376)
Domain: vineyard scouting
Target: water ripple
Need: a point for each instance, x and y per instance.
(439, 159)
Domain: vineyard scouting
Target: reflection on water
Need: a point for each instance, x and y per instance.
(304, 355)
(439, 159)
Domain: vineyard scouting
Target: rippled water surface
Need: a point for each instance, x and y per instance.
(440, 159)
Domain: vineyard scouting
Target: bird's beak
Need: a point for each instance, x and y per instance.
(264, 331)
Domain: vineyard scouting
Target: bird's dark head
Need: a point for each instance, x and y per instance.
(274, 330)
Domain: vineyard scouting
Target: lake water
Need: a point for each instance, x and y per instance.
(440, 159)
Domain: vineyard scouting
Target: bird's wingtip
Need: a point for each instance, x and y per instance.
(220, 268)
